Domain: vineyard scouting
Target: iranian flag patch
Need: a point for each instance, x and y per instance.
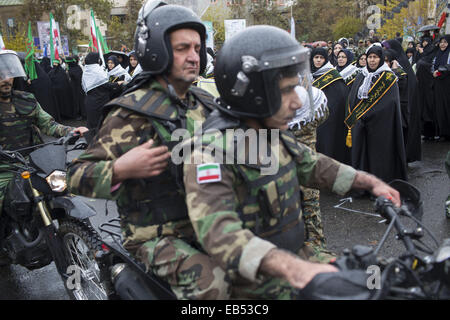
(208, 173)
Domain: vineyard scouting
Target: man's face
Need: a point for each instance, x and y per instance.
(290, 103)
(186, 45)
(318, 61)
(373, 61)
(6, 87)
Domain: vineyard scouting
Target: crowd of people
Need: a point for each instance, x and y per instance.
(416, 107)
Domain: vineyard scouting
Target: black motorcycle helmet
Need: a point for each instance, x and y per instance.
(249, 66)
(152, 42)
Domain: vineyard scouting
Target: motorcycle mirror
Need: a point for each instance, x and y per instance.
(410, 196)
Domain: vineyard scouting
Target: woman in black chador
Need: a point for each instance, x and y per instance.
(425, 89)
(441, 74)
(413, 137)
(75, 74)
(331, 134)
(43, 91)
(62, 90)
(374, 123)
(98, 89)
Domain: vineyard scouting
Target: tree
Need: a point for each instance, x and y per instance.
(217, 13)
(18, 42)
(35, 10)
(347, 27)
(397, 18)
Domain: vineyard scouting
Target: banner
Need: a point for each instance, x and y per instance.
(30, 68)
(97, 46)
(293, 27)
(209, 34)
(56, 51)
(234, 26)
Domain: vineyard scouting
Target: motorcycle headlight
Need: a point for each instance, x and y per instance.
(57, 181)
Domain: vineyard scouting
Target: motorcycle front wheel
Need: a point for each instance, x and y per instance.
(81, 242)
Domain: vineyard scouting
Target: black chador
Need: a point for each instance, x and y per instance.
(374, 123)
(75, 74)
(441, 65)
(62, 90)
(413, 139)
(331, 134)
(42, 90)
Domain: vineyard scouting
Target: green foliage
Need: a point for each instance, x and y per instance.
(18, 42)
(347, 27)
(34, 10)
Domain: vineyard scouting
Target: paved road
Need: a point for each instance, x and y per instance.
(342, 228)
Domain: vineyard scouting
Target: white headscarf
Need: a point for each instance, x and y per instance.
(93, 76)
(119, 71)
(303, 115)
(348, 71)
(137, 70)
(363, 91)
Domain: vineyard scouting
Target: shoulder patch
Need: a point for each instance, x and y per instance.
(209, 173)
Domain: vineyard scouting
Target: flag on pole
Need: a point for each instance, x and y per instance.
(2, 44)
(30, 68)
(54, 40)
(95, 40)
(292, 26)
(102, 41)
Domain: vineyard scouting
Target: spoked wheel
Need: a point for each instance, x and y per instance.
(81, 242)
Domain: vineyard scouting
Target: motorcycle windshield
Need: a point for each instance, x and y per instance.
(49, 158)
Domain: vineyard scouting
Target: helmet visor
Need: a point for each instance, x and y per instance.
(300, 69)
(10, 66)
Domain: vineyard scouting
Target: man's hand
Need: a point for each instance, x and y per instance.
(377, 187)
(297, 272)
(80, 130)
(141, 162)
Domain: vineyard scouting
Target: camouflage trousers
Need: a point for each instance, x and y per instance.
(193, 275)
(190, 273)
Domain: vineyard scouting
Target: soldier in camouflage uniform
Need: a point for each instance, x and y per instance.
(21, 118)
(304, 127)
(128, 162)
(247, 217)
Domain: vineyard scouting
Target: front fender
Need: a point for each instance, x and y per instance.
(73, 206)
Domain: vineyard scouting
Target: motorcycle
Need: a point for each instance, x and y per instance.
(410, 276)
(41, 222)
(420, 273)
(125, 278)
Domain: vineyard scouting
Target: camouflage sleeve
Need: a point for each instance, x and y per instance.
(48, 125)
(91, 174)
(316, 170)
(212, 210)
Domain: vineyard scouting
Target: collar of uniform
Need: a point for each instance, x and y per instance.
(190, 102)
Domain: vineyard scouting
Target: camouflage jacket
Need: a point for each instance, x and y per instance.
(22, 120)
(216, 207)
(123, 129)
